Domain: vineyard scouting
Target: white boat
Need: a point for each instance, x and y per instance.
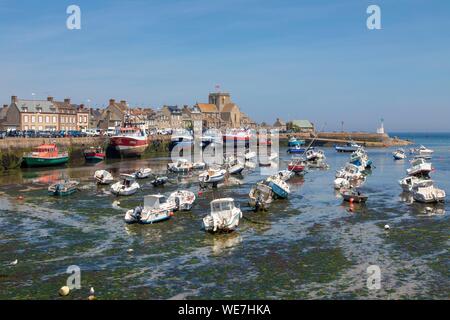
(235, 167)
(426, 192)
(63, 188)
(399, 154)
(286, 175)
(273, 156)
(313, 155)
(143, 173)
(250, 155)
(350, 171)
(424, 151)
(261, 196)
(340, 183)
(130, 141)
(103, 177)
(183, 199)
(199, 165)
(419, 167)
(180, 166)
(224, 216)
(409, 182)
(126, 187)
(156, 209)
(212, 176)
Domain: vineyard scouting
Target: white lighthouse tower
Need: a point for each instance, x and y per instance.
(380, 130)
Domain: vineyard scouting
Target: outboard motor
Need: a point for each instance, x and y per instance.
(137, 213)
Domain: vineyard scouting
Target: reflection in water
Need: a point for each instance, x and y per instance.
(224, 243)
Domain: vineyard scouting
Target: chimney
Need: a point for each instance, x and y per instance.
(50, 99)
(123, 102)
(67, 100)
(81, 106)
(13, 99)
(5, 106)
(112, 101)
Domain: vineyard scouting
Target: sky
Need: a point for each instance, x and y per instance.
(299, 59)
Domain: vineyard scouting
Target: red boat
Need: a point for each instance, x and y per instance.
(94, 154)
(296, 166)
(236, 136)
(130, 141)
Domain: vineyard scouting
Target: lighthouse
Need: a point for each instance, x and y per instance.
(380, 130)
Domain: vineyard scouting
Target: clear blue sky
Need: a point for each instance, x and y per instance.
(296, 59)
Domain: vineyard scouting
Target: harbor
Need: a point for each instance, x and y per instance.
(318, 244)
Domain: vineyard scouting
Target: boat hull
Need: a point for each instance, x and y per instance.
(45, 162)
(128, 146)
(94, 156)
(278, 191)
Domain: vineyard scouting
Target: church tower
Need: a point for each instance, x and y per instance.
(220, 99)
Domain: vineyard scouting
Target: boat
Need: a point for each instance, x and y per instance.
(264, 161)
(340, 183)
(409, 182)
(180, 166)
(103, 177)
(261, 196)
(94, 154)
(143, 173)
(273, 156)
(426, 192)
(313, 155)
(297, 166)
(156, 209)
(419, 167)
(224, 216)
(183, 199)
(351, 195)
(350, 171)
(159, 181)
(126, 187)
(235, 166)
(199, 166)
(347, 182)
(130, 141)
(212, 175)
(249, 155)
(296, 149)
(45, 155)
(399, 154)
(424, 151)
(295, 142)
(286, 175)
(237, 136)
(348, 147)
(317, 164)
(279, 187)
(63, 188)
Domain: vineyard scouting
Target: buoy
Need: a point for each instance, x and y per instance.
(130, 250)
(14, 262)
(386, 227)
(64, 291)
(92, 291)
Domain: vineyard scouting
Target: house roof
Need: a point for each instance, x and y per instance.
(3, 112)
(303, 124)
(33, 106)
(207, 107)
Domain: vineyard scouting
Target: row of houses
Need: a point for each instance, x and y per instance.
(220, 112)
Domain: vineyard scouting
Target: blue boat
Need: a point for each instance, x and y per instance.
(293, 142)
(348, 147)
(279, 187)
(296, 149)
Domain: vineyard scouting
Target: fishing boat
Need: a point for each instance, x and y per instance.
(156, 209)
(180, 166)
(295, 142)
(45, 155)
(94, 154)
(419, 167)
(143, 173)
(224, 216)
(409, 182)
(296, 149)
(235, 166)
(399, 154)
(212, 175)
(426, 192)
(63, 188)
(351, 195)
(261, 196)
(348, 147)
(279, 187)
(297, 166)
(130, 141)
(103, 177)
(159, 181)
(183, 199)
(126, 187)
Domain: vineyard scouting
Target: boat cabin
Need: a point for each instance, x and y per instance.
(221, 205)
(154, 201)
(132, 131)
(46, 150)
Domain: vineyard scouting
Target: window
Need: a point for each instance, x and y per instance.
(47, 119)
(54, 118)
(33, 119)
(25, 119)
(40, 119)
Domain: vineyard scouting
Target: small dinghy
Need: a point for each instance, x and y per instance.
(399, 154)
(156, 209)
(199, 166)
(224, 216)
(103, 177)
(159, 181)
(235, 167)
(126, 187)
(63, 188)
(143, 173)
(261, 196)
(213, 176)
(424, 151)
(426, 192)
(183, 199)
(351, 196)
(279, 187)
(419, 167)
(180, 166)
